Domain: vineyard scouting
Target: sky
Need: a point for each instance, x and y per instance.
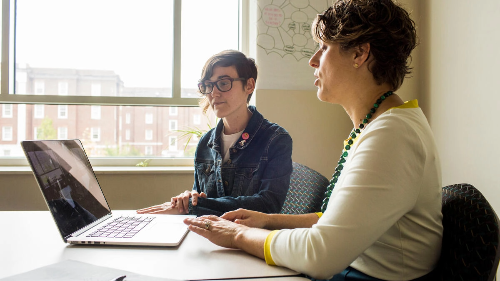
(132, 38)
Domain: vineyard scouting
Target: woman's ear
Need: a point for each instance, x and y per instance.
(250, 87)
(361, 54)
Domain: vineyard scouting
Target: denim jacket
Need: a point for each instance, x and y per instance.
(256, 176)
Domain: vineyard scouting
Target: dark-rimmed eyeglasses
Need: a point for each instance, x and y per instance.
(223, 85)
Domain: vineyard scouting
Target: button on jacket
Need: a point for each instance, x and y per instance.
(256, 176)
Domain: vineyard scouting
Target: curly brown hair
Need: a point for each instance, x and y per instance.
(245, 67)
(385, 25)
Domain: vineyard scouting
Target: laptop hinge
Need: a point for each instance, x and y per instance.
(82, 230)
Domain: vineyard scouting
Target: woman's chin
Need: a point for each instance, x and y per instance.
(321, 95)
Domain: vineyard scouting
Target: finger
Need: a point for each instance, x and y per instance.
(203, 194)
(185, 202)
(210, 217)
(149, 209)
(199, 230)
(196, 222)
(243, 222)
(180, 205)
(194, 199)
(173, 201)
(233, 215)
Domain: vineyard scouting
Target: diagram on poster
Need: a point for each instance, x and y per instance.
(284, 26)
(285, 44)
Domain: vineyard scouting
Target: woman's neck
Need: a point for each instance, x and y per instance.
(358, 110)
(237, 123)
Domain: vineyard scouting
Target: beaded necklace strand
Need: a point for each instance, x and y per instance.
(349, 141)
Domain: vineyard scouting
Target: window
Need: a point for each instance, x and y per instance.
(62, 111)
(62, 133)
(39, 88)
(6, 110)
(95, 134)
(63, 88)
(172, 143)
(148, 150)
(172, 125)
(173, 111)
(95, 112)
(6, 133)
(35, 133)
(149, 135)
(96, 89)
(53, 84)
(39, 111)
(149, 118)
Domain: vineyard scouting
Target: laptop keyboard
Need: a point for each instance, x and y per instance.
(122, 227)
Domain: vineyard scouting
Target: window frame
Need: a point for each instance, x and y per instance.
(7, 85)
(7, 80)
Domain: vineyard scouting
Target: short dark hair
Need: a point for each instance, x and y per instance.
(245, 67)
(385, 25)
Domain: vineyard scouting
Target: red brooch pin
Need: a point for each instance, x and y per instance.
(245, 136)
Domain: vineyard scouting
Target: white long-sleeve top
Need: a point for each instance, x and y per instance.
(384, 215)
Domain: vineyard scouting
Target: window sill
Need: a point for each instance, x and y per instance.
(10, 170)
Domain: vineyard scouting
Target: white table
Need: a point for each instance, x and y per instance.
(29, 240)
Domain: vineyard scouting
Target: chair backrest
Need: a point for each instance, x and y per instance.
(471, 235)
(307, 190)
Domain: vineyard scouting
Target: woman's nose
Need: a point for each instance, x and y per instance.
(215, 91)
(314, 61)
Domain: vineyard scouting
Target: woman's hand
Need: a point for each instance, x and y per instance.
(181, 201)
(247, 218)
(165, 208)
(219, 231)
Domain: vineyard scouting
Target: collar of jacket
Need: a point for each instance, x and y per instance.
(251, 129)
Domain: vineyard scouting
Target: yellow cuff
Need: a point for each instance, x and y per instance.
(267, 248)
(319, 214)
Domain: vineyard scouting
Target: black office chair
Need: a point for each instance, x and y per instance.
(307, 190)
(471, 235)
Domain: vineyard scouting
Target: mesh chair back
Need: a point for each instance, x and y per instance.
(471, 235)
(307, 190)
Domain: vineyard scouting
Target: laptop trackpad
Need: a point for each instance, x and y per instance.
(168, 230)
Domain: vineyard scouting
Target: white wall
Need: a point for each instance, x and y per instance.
(461, 84)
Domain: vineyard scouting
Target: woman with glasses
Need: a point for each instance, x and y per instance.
(381, 218)
(246, 161)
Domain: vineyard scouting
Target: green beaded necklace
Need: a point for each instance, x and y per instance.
(354, 133)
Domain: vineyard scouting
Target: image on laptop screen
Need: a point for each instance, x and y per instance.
(68, 183)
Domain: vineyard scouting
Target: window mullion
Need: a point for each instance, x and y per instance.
(5, 47)
(98, 100)
(176, 60)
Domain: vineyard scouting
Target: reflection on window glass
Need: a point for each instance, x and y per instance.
(159, 135)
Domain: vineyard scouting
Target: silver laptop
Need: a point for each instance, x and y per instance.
(79, 208)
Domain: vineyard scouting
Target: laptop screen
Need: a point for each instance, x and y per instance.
(68, 183)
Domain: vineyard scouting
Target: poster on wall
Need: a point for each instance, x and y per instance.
(285, 44)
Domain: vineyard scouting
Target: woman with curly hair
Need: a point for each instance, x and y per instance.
(381, 218)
